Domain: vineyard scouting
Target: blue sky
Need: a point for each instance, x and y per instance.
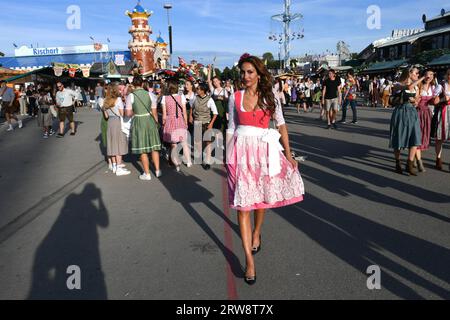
(207, 28)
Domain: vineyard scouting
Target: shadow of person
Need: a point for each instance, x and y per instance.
(353, 129)
(187, 191)
(101, 146)
(348, 187)
(72, 240)
(361, 242)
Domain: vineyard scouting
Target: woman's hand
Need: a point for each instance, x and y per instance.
(191, 120)
(293, 162)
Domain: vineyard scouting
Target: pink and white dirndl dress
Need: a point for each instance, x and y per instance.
(175, 129)
(259, 175)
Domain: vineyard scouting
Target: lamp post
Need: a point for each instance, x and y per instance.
(109, 49)
(168, 6)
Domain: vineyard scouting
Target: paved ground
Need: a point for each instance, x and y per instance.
(174, 238)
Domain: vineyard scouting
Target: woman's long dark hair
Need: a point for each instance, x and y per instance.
(193, 86)
(406, 72)
(266, 98)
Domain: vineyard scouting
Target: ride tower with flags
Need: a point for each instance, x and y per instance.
(142, 47)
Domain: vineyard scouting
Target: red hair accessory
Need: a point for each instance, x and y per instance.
(245, 56)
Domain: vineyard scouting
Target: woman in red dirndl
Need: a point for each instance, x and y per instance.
(260, 176)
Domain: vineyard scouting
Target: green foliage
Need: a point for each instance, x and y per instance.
(227, 74)
(268, 56)
(426, 57)
(218, 73)
(275, 64)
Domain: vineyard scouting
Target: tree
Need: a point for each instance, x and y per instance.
(2, 54)
(235, 73)
(227, 74)
(275, 64)
(218, 73)
(268, 56)
(426, 57)
(294, 63)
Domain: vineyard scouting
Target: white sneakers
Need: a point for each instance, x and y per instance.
(119, 170)
(145, 177)
(189, 165)
(11, 128)
(148, 177)
(122, 172)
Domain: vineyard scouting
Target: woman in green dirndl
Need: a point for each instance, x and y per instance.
(405, 124)
(144, 132)
(220, 97)
(103, 130)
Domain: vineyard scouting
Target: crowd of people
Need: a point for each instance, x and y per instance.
(422, 113)
(156, 120)
(329, 93)
(420, 104)
(164, 115)
(259, 174)
(39, 101)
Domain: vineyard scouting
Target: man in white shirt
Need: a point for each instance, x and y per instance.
(64, 101)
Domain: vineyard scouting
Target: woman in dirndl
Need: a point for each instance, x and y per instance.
(441, 119)
(220, 97)
(405, 124)
(426, 98)
(259, 175)
(144, 129)
(175, 120)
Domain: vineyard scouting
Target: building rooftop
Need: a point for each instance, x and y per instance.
(446, 14)
(139, 8)
(411, 39)
(35, 62)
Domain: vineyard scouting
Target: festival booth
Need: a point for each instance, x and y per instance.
(440, 65)
(191, 72)
(113, 72)
(70, 74)
(6, 73)
(385, 68)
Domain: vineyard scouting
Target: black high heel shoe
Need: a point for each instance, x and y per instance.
(250, 280)
(255, 250)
